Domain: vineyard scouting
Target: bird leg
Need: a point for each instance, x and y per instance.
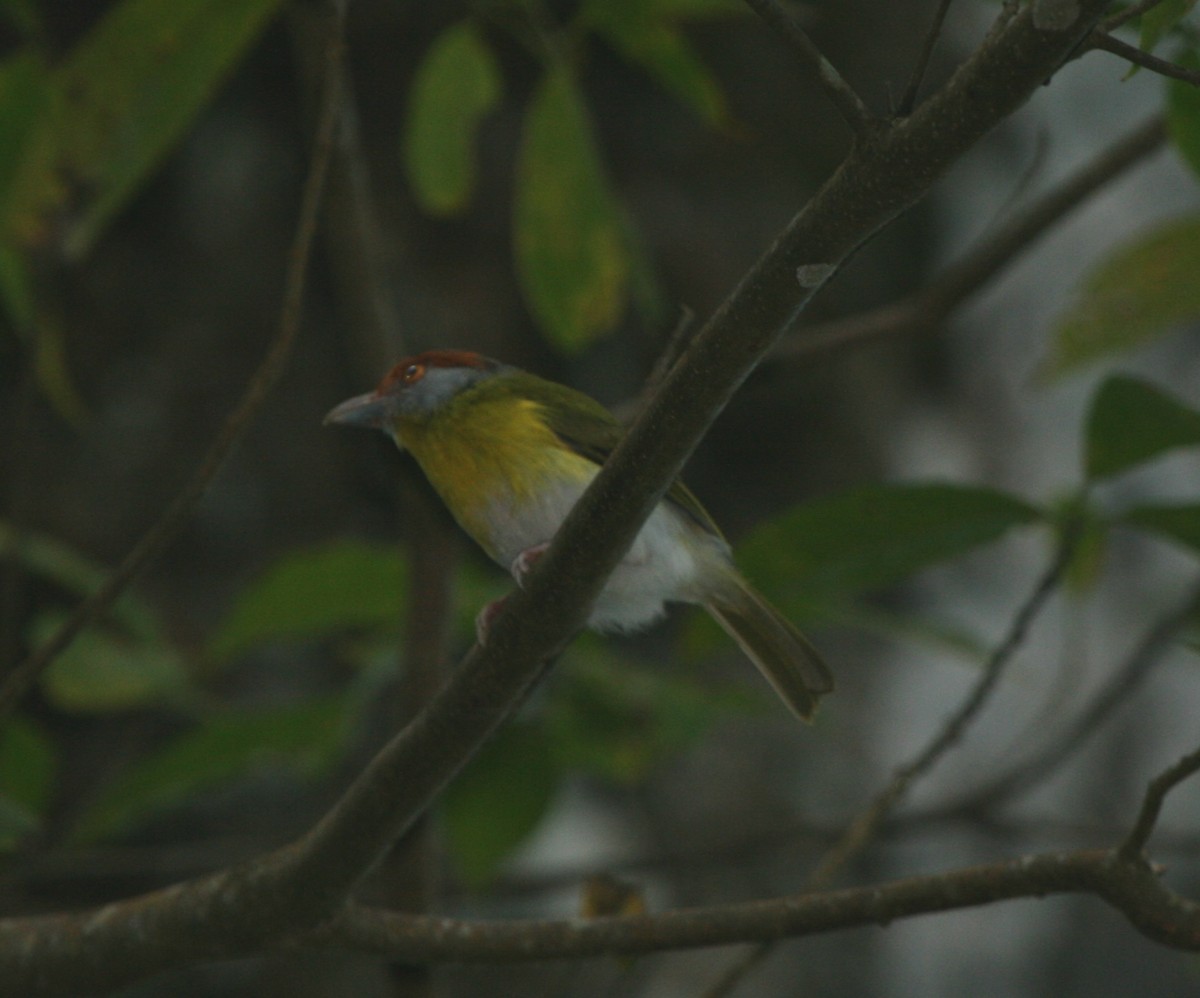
(523, 563)
(485, 618)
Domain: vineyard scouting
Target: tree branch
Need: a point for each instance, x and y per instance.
(1131, 888)
(1040, 766)
(1156, 793)
(909, 100)
(1147, 60)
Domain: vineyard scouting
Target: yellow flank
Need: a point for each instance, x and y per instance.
(472, 454)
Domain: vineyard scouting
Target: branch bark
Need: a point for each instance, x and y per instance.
(1133, 888)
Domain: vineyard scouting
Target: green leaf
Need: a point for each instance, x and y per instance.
(456, 84)
(1179, 523)
(27, 765)
(1158, 20)
(876, 535)
(24, 93)
(1131, 422)
(16, 822)
(101, 672)
(1183, 114)
(302, 738)
(121, 99)
(618, 721)
(313, 593)
(499, 798)
(1141, 291)
(665, 52)
(571, 255)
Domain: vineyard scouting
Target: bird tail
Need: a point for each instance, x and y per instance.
(783, 655)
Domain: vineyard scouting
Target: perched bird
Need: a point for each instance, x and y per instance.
(510, 453)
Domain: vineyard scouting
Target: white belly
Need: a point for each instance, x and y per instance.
(666, 563)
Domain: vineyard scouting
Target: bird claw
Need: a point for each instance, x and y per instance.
(523, 563)
(486, 617)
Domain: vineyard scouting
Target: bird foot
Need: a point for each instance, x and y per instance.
(486, 617)
(523, 563)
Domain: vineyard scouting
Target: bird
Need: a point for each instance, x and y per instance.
(510, 453)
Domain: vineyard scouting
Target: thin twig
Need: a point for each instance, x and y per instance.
(909, 100)
(863, 827)
(1039, 767)
(264, 379)
(676, 343)
(927, 307)
(1140, 57)
(1166, 781)
(854, 111)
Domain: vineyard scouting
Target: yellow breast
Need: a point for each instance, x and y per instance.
(491, 453)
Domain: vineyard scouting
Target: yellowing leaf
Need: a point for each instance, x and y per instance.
(571, 252)
(456, 84)
(101, 672)
(1141, 291)
(119, 101)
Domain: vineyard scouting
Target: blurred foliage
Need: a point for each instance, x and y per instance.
(1161, 20)
(1131, 422)
(81, 134)
(28, 767)
(567, 231)
(456, 85)
(573, 248)
(1141, 291)
(304, 738)
(339, 585)
(1183, 114)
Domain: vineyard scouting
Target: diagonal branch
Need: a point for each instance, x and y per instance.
(1156, 793)
(1041, 765)
(1147, 60)
(864, 826)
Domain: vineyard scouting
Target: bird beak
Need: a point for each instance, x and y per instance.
(369, 411)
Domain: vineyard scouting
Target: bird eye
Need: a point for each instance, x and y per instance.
(413, 373)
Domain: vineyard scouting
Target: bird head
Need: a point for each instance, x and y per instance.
(415, 389)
